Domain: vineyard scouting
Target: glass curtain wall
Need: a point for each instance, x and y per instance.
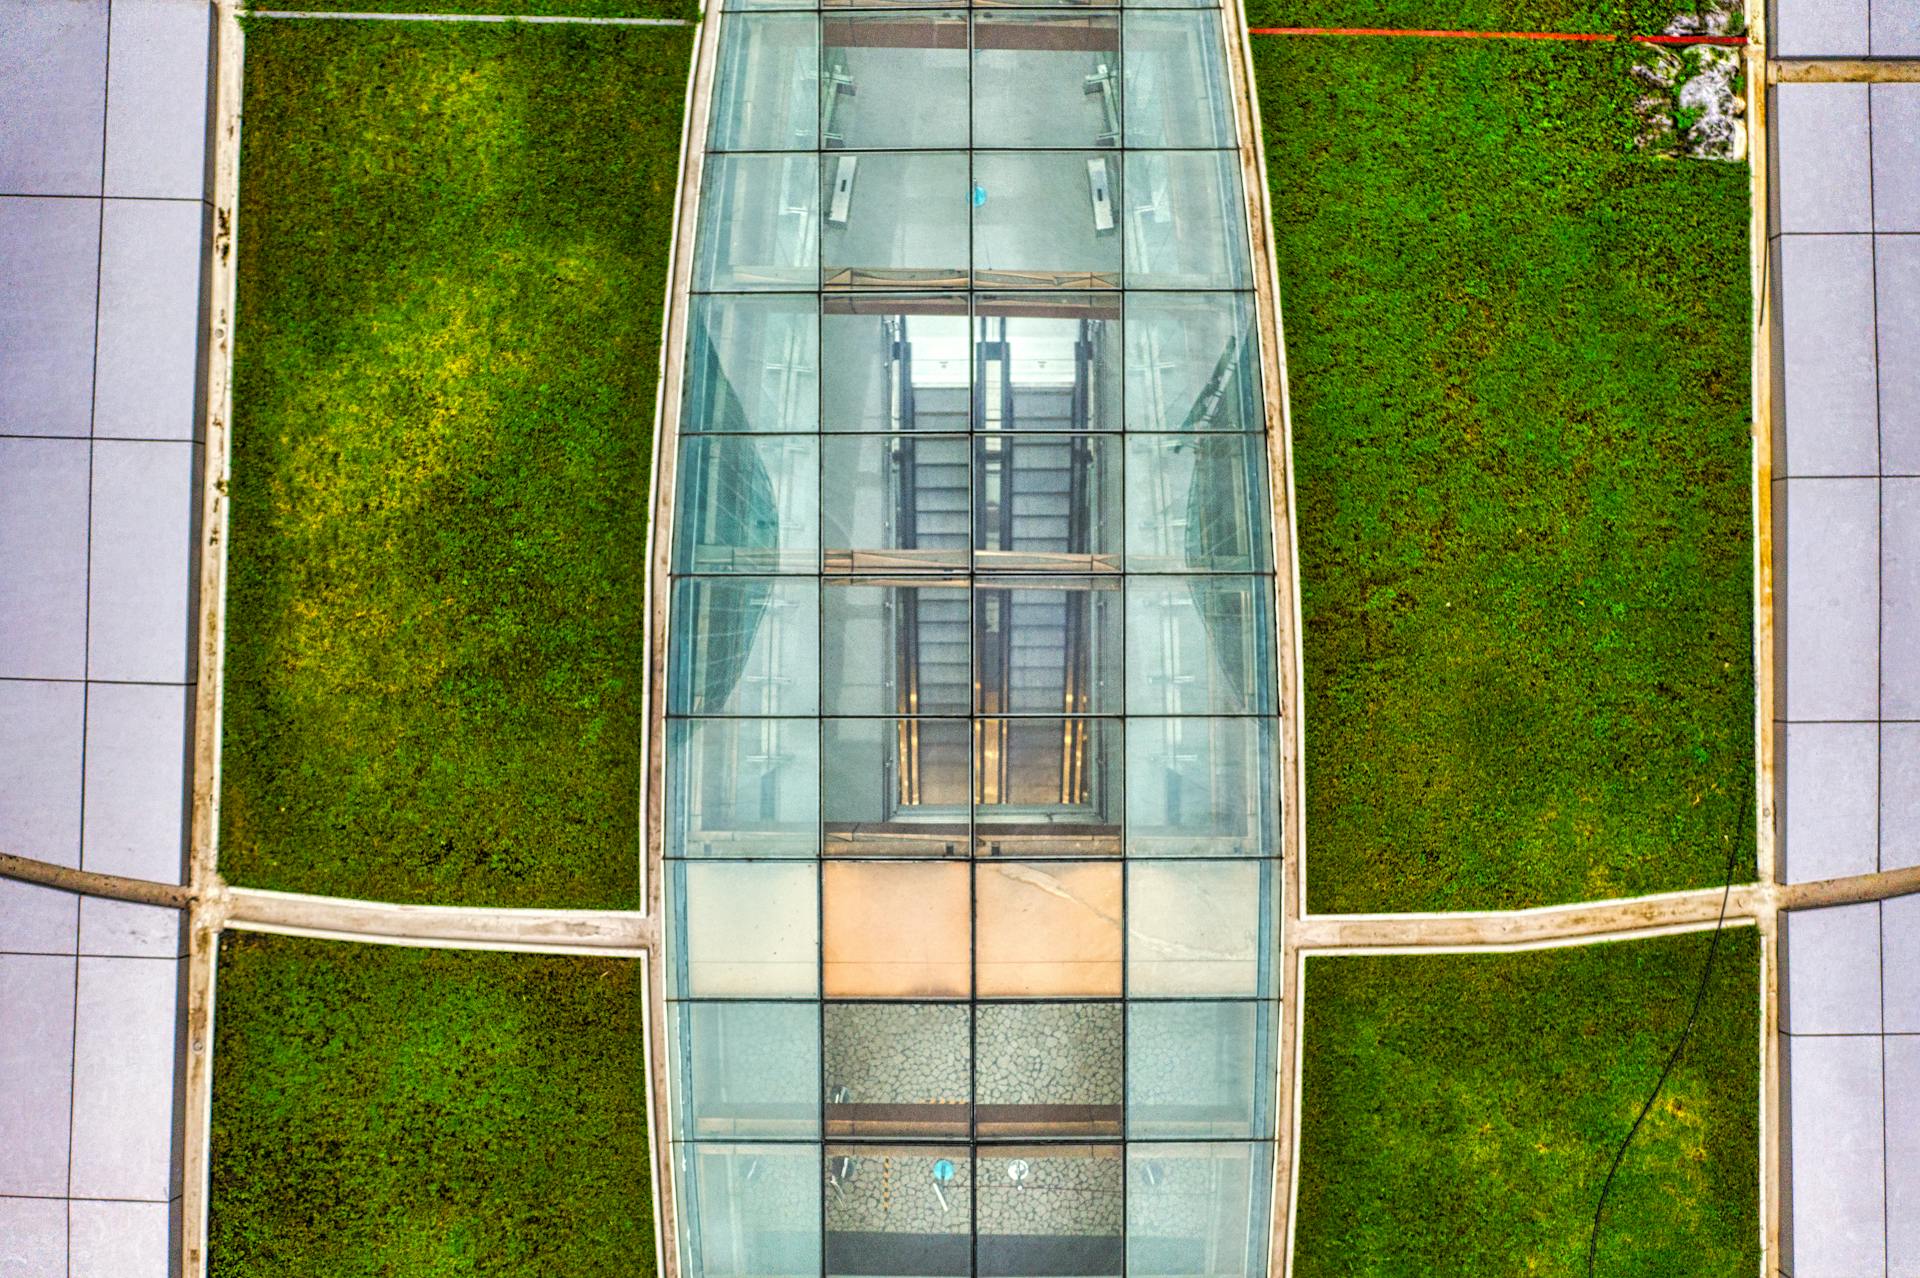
(972, 774)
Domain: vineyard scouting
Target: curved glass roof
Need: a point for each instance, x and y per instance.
(972, 768)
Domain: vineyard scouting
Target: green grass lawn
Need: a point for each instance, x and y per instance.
(505, 8)
(1460, 1111)
(1519, 374)
(382, 1111)
(452, 253)
(1643, 17)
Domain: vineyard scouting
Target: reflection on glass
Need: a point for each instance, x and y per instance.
(1201, 928)
(1047, 219)
(1047, 362)
(1200, 645)
(894, 646)
(1193, 362)
(1198, 503)
(748, 1070)
(1202, 787)
(895, 929)
(895, 363)
(1047, 929)
(759, 223)
(899, 1209)
(1047, 787)
(1176, 83)
(1048, 1069)
(898, 1069)
(895, 503)
(1186, 224)
(763, 96)
(752, 1211)
(1047, 502)
(748, 503)
(894, 80)
(1047, 645)
(751, 929)
(895, 787)
(1192, 1069)
(743, 788)
(1198, 1209)
(744, 645)
(753, 364)
(1046, 79)
(894, 219)
(1051, 1209)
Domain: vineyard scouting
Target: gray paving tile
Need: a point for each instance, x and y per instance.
(43, 558)
(135, 802)
(1900, 963)
(53, 83)
(40, 727)
(1827, 341)
(1808, 28)
(49, 264)
(33, 1238)
(1900, 598)
(1897, 285)
(1896, 34)
(37, 920)
(1896, 152)
(1833, 1098)
(1820, 146)
(125, 930)
(36, 1060)
(1830, 802)
(146, 384)
(1899, 795)
(157, 98)
(1829, 596)
(140, 620)
(126, 1048)
(1831, 962)
(1903, 1155)
(121, 1240)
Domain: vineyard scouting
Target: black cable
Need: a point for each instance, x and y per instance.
(1673, 1058)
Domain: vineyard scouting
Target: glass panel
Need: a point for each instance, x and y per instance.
(750, 928)
(745, 645)
(1047, 645)
(1193, 1069)
(1046, 79)
(894, 219)
(896, 787)
(895, 80)
(764, 98)
(1047, 929)
(1202, 787)
(899, 1209)
(895, 503)
(895, 363)
(895, 929)
(1198, 1209)
(1051, 1209)
(1048, 1069)
(1047, 220)
(1200, 645)
(898, 1069)
(747, 1070)
(894, 646)
(1200, 928)
(1048, 502)
(748, 503)
(1193, 362)
(753, 364)
(1186, 224)
(743, 787)
(753, 1211)
(1176, 83)
(759, 223)
(1047, 787)
(1198, 503)
(1047, 361)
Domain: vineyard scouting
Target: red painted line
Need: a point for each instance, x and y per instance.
(1584, 37)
